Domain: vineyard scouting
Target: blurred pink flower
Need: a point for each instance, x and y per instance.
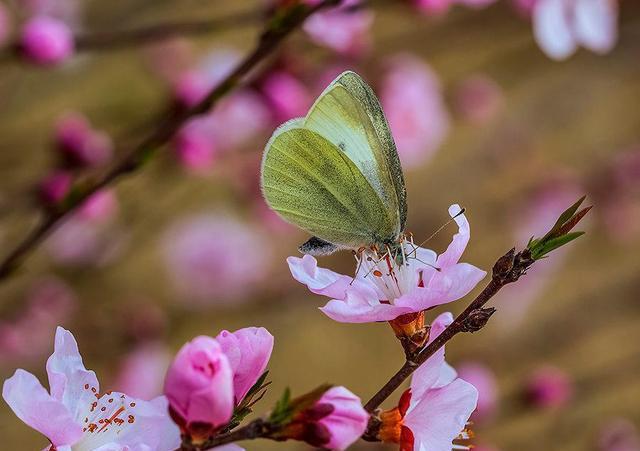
(27, 336)
(478, 98)
(55, 187)
(376, 295)
(619, 434)
(248, 351)
(560, 26)
(343, 29)
(80, 144)
(483, 379)
(433, 413)
(435, 7)
(199, 386)
(141, 372)
(5, 24)
(100, 207)
(207, 257)
(524, 7)
(333, 422)
(414, 106)
(46, 41)
(74, 413)
(195, 145)
(549, 387)
(287, 96)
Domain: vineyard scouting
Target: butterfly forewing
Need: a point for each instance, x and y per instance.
(349, 115)
(310, 182)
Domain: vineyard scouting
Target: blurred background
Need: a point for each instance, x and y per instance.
(508, 122)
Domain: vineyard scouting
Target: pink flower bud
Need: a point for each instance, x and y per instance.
(80, 144)
(199, 387)
(46, 41)
(478, 98)
(549, 387)
(286, 95)
(99, 207)
(248, 351)
(334, 422)
(55, 187)
(191, 88)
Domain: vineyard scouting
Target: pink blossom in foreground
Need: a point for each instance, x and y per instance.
(333, 422)
(549, 387)
(199, 387)
(212, 258)
(433, 413)
(561, 26)
(286, 96)
(248, 351)
(80, 144)
(344, 30)
(413, 103)
(27, 336)
(484, 380)
(46, 41)
(435, 7)
(478, 98)
(5, 24)
(141, 373)
(75, 415)
(378, 294)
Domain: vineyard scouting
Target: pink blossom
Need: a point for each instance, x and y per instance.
(212, 258)
(5, 24)
(560, 26)
(619, 434)
(524, 7)
(341, 29)
(141, 373)
(380, 293)
(287, 96)
(435, 7)
(333, 422)
(248, 351)
(478, 98)
(80, 144)
(46, 41)
(27, 336)
(549, 387)
(484, 380)
(199, 385)
(75, 415)
(100, 207)
(55, 187)
(433, 413)
(413, 103)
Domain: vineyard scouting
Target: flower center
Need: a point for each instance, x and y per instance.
(393, 276)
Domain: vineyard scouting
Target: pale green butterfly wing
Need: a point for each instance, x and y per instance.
(349, 115)
(312, 184)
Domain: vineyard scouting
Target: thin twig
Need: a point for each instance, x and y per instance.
(256, 429)
(132, 159)
(506, 270)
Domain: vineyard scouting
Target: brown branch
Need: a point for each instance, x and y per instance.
(279, 27)
(256, 429)
(506, 270)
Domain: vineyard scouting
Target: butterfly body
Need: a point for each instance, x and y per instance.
(336, 173)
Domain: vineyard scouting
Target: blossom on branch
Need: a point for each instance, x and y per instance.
(75, 416)
(383, 289)
(46, 41)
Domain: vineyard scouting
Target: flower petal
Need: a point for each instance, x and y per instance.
(319, 280)
(356, 309)
(459, 242)
(69, 381)
(596, 24)
(34, 406)
(440, 415)
(552, 28)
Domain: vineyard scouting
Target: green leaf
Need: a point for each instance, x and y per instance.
(283, 411)
(564, 217)
(554, 243)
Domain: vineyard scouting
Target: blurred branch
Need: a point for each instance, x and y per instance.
(283, 23)
(507, 269)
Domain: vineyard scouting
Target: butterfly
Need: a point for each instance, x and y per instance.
(336, 172)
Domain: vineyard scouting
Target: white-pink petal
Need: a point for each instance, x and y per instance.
(35, 407)
(596, 23)
(459, 242)
(357, 309)
(553, 28)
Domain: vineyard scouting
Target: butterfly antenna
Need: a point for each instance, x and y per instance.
(462, 210)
